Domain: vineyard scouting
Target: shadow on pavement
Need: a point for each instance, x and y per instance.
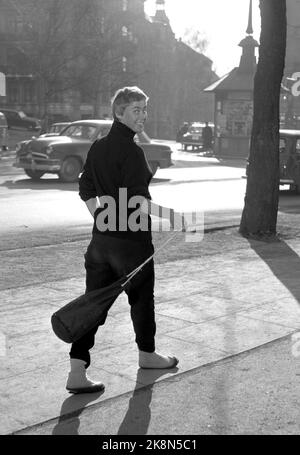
(283, 262)
(42, 184)
(69, 421)
(233, 162)
(52, 183)
(138, 415)
(159, 180)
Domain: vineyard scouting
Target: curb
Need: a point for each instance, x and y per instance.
(216, 228)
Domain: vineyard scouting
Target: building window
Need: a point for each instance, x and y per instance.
(13, 94)
(126, 33)
(105, 97)
(57, 97)
(3, 55)
(55, 93)
(15, 25)
(125, 5)
(19, 26)
(102, 22)
(29, 93)
(124, 64)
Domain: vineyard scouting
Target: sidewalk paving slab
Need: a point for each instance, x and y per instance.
(208, 308)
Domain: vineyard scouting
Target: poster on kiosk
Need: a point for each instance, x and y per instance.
(2, 85)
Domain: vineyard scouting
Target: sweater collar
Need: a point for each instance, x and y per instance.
(120, 128)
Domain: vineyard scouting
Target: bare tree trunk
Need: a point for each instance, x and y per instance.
(259, 216)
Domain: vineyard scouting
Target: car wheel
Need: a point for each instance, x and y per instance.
(70, 170)
(34, 175)
(154, 166)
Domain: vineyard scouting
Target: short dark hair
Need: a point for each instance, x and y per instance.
(123, 97)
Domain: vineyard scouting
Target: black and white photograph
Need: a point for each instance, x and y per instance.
(150, 222)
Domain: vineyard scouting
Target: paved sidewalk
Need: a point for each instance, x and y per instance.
(209, 306)
(254, 392)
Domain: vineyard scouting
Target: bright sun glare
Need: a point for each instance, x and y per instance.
(222, 23)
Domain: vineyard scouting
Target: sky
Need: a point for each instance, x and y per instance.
(222, 22)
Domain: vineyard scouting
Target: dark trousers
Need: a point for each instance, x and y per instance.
(107, 259)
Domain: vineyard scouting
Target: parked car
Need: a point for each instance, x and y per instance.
(193, 137)
(19, 120)
(66, 153)
(289, 159)
(55, 129)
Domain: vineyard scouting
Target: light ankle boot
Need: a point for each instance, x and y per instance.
(79, 382)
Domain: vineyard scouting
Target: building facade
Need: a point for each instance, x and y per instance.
(64, 59)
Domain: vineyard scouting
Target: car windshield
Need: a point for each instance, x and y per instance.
(22, 114)
(195, 129)
(56, 128)
(80, 131)
(53, 129)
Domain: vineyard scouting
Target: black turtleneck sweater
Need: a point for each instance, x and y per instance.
(113, 162)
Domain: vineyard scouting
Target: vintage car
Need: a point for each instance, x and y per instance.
(55, 129)
(66, 153)
(289, 159)
(19, 120)
(193, 137)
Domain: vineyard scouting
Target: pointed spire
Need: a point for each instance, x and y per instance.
(160, 15)
(249, 30)
(248, 44)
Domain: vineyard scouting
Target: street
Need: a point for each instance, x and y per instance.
(49, 212)
(52, 208)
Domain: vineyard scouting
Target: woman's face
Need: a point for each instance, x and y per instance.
(134, 116)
